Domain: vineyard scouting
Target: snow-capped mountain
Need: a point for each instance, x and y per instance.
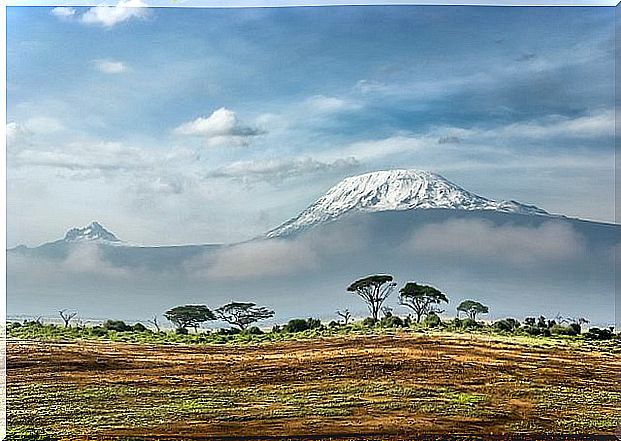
(93, 232)
(395, 190)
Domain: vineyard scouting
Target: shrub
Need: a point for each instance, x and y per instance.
(576, 327)
(532, 330)
(253, 330)
(116, 325)
(229, 331)
(369, 322)
(98, 331)
(181, 331)
(599, 334)
(469, 324)
(313, 323)
(333, 324)
(506, 325)
(276, 329)
(299, 325)
(296, 325)
(391, 321)
(139, 327)
(562, 330)
(432, 320)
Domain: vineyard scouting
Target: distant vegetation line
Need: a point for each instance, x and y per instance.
(423, 300)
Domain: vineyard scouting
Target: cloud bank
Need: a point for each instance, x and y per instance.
(483, 241)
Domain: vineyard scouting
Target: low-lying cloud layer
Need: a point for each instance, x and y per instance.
(484, 241)
(551, 266)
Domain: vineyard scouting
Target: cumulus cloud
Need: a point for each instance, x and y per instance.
(110, 66)
(281, 169)
(482, 240)
(63, 12)
(222, 127)
(109, 16)
(21, 135)
(15, 132)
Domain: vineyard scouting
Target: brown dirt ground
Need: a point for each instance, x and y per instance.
(469, 385)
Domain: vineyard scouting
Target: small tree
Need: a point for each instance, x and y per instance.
(189, 316)
(67, 315)
(374, 290)
(472, 308)
(155, 322)
(345, 314)
(243, 314)
(422, 299)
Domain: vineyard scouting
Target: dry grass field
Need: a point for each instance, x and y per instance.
(386, 384)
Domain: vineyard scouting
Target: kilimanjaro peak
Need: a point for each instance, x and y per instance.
(395, 190)
(93, 232)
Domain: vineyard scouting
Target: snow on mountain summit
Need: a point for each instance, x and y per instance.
(94, 232)
(395, 190)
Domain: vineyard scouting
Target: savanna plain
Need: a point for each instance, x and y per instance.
(378, 382)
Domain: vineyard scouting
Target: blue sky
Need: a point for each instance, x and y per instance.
(215, 125)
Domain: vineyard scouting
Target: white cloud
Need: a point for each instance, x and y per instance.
(280, 257)
(597, 124)
(43, 125)
(20, 135)
(329, 104)
(110, 66)
(63, 12)
(82, 260)
(370, 86)
(476, 239)
(220, 128)
(15, 132)
(261, 259)
(85, 156)
(499, 140)
(380, 148)
(280, 169)
(109, 16)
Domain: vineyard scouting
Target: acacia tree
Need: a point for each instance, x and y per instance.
(242, 314)
(422, 299)
(374, 290)
(66, 315)
(189, 316)
(472, 308)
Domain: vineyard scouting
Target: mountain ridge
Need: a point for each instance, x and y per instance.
(395, 190)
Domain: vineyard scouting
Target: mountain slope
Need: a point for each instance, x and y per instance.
(395, 190)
